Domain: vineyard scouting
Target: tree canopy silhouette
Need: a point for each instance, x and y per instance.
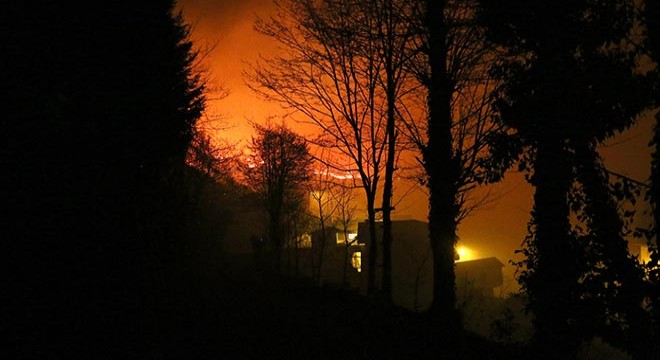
(652, 22)
(559, 106)
(102, 100)
(452, 62)
(330, 75)
(277, 171)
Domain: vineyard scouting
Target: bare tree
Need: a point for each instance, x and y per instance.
(321, 193)
(344, 196)
(392, 32)
(212, 158)
(299, 225)
(346, 66)
(452, 64)
(329, 73)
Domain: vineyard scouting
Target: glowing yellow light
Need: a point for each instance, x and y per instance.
(644, 254)
(356, 261)
(462, 251)
(341, 176)
(465, 253)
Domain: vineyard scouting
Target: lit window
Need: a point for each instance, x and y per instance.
(356, 261)
(641, 251)
(644, 254)
(305, 241)
(340, 238)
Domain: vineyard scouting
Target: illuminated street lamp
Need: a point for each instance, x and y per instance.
(464, 253)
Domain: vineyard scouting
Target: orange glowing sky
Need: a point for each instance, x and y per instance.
(226, 26)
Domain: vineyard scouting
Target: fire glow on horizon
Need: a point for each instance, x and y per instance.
(345, 175)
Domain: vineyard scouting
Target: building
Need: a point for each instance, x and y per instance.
(412, 266)
(480, 276)
(330, 260)
(327, 258)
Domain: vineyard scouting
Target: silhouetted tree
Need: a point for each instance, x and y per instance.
(212, 195)
(330, 76)
(278, 171)
(324, 209)
(361, 57)
(208, 170)
(559, 104)
(612, 287)
(344, 196)
(300, 225)
(213, 159)
(392, 32)
(101, 106)
(652, 22)
(452, 63)
(441, 169)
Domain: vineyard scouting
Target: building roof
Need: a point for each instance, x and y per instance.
(484, 262)
(483, 273)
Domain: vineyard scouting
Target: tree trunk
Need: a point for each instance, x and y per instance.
(344, 282)
(655, 254)
(347, 244)
(275, 248)
(552, 280)
(439, 165)
(389, 181)
(387, 234)
(323, 242)
(373, 245)
(296, 255)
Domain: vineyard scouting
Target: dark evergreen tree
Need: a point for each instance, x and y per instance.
(557, 102)
(101, 104)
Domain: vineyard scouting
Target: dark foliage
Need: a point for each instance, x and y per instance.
(101, 103)
(557, 103)
(612, 288)
(652, 21)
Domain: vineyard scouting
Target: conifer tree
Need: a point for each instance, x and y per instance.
(102, 103)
